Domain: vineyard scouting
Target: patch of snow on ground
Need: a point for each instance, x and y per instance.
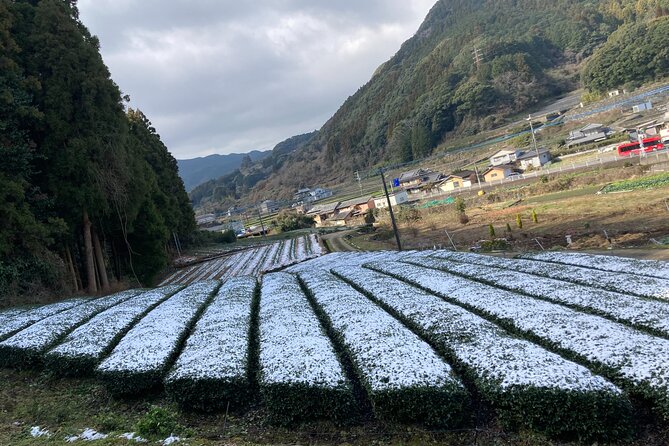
(37, 432)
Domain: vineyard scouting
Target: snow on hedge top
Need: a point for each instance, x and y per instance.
(621, 282)
(150, 343)
(218, 347)
(638, 311)
(482, 346)
(19, 321)
(388, 354)
(638, 357)
(94, 337)
(46, 332)
(651, 268)
(293, 346)
(327, 261)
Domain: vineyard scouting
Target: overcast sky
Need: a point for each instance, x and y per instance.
(223, 76)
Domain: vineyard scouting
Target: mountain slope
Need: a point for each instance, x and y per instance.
(433, 88)
(225, 190)
(200, 170)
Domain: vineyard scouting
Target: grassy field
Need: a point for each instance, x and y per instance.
(66, 407)
(564, 206)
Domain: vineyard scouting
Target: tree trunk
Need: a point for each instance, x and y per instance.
(70, 267)
(88, 253)
(100, 258)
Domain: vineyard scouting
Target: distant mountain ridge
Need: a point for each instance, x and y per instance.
(197, 171)
(226, 189)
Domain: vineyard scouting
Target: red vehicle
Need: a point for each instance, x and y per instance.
(649, 144)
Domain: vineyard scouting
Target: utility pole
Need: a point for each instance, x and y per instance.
(390, 208)
(534, 139)
(357, 177)
(478, 57)
(262, 224)
(639, 136)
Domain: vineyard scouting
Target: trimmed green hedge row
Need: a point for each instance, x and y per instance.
(300, 376)
(26, 348)
(213, 370)
(141, 359)
(528, 386)
(83, 349)
(406, 381)
(611, 349)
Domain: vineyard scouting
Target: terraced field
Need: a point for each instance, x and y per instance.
(249, 262)
(567, 345)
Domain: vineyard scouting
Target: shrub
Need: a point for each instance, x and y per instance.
(491, 230)
(409, 215)
(83, 349)
(369, 217)
(519, 221)
(460, 205)
(288, 221)
(26, 348)
(158, 422)
(499, 244)
(535, 219)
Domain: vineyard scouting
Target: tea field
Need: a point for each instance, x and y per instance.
(567, 345)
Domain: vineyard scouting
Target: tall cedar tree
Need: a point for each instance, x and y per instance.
(79, 178)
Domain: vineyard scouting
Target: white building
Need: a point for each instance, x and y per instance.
(236, 226)
(396, 199)
(531, 159)
(642, 107)
(506, 156)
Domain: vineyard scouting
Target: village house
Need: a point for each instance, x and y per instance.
(458, 181)
(357, 205)
(341, 218)
(414, 178)
(534, 160)
(653, 128)
(419, 181)
(396, 199)
(642, 107)
(323, 212)
(269, 206)
(497, 173)
(206, 219)
(588, 134)
(506, 156)
(302, 194)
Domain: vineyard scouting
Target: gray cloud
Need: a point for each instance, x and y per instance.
(222, 76)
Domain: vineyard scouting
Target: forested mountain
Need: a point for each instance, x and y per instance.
(225, 190)
(200, 170)
(88, 192)
(433, 88)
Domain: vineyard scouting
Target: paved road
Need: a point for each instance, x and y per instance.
(337, 243)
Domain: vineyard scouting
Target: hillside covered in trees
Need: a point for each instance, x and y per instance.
(197, 171)
(89, 195)
(433, 89)
(225, 190)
